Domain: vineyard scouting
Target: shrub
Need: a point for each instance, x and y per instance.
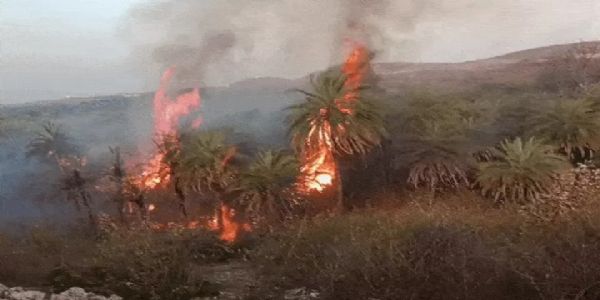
(137, 265)
(378, 256)
(443, 252)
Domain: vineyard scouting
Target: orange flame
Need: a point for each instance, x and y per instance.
(224, 222)
(167, 114)
(319, 170)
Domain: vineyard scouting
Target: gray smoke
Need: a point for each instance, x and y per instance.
(217, 41)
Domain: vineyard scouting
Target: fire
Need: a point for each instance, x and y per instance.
(224, 222)
(167, 114)
(319, 169)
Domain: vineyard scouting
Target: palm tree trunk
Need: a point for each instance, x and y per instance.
(141, 203)
(58, 163)
(273, 214)
(339, 193)
(181, 196)
(86, 202)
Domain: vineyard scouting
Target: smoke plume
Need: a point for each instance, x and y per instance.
(216, 41)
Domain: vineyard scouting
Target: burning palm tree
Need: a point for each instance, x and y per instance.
(333, 121)
(202, 161)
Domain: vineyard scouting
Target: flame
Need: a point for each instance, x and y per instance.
(224, 222)
(319, 168)
(167, 114)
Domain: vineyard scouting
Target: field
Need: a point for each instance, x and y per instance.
(374, 181)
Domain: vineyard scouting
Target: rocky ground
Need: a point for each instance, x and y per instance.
(236, 280)
(75, 293)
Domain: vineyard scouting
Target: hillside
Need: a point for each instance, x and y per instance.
(512, 69)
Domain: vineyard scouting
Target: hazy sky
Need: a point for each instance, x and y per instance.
(54, 48)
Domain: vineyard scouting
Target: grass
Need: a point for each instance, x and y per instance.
(135, 264)
(454, 249)
(457, 247)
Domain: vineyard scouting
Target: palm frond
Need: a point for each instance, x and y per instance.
(520, 171)
(355, 127)
(572, 126)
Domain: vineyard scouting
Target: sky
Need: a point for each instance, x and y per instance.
(52, 49)
(57, 48)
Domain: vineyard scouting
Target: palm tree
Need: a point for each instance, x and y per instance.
(262, 186)
(435, 145)
(520, 171)
(75, 183)
(119, 176)
(201, 161)
(573, 126)
(52, 142)
(325, 119)
(436, 161)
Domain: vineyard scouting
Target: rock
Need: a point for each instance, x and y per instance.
(25, 295)
(301, 294)
(74, 293)
(3, 289)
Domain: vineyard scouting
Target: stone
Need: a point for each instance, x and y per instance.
(26, 295)
(3, 289)
(74, 293)
(301, 294)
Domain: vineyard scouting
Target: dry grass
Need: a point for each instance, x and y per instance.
(453, 249)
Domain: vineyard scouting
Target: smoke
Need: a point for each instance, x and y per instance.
(217, 42)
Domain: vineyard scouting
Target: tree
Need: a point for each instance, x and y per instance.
(201, 161)
(435, 145)
(262, 186)
(520, 171)
(52, 142)
(326, 120)
(75, 185)
(573, 126)
(119, 176)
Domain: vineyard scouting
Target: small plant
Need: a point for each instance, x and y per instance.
(519, 171)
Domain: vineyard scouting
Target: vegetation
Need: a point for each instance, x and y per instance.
(573, 126)
(52, 142)
(200, 161)
(263, 186)
(519, 171)
(324, 118)
(506, 216)
(454, 250)
(435, 146)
